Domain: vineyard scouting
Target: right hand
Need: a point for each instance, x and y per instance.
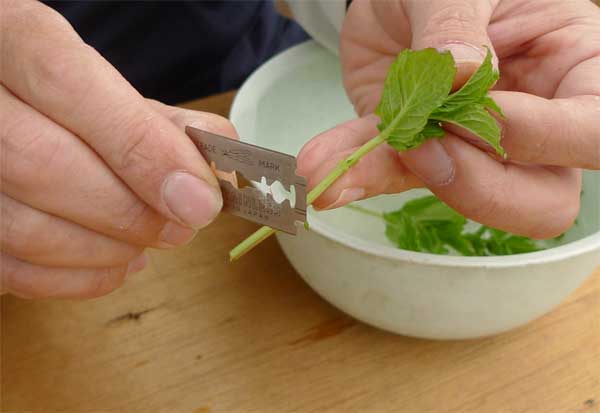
(91, 172)
(549, 59)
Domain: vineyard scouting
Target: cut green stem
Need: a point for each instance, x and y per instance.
(341, 168)
(253, 240)
(344, 166)
(365, 211)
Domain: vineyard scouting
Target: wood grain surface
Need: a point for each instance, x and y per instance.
(195, 334)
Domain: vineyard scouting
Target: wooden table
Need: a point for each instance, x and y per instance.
(195, 334)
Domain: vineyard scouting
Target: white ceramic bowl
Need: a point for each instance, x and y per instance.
(346, 258)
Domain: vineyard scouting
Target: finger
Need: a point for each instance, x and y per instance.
(347, 135)
(47, 167)
(379, 172)
(39, 238)
(581, 80)
(459, 26)
(534, 201)
(561, 132)
(33, 281)
(71, 83)
(207, 121)
(372, 35)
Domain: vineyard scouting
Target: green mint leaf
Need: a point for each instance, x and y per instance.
(401, 231)
(415, 100)
(499, 242)
(417, 83)
(427, 225)
(461, 244)
(475, 89)
(468, 106)
(476, 119)
(432, 129)
(491, 104)
(477, 243)
(430, 209)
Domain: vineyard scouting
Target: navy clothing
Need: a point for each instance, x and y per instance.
(180, 50)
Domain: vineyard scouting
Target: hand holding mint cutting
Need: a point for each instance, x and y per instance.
(414, 102)
(549, 92)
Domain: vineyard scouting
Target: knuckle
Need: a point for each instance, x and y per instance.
(29, 154)
(135, 150)
(61, 68)
(451, 20)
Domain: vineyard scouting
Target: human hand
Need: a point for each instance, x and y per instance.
(549, 58)
(92, 173)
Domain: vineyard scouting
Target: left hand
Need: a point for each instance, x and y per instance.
(548, 53)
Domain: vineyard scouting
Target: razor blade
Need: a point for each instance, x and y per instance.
(258, 184)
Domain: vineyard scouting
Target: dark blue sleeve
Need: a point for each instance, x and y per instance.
(179, 50)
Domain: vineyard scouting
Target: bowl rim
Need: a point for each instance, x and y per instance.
(271, 70)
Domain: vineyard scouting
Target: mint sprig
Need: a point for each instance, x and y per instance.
(417, 83)
(429, 225)
(415, 101)
(424, 224)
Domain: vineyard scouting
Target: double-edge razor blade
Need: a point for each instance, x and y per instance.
(258, 184)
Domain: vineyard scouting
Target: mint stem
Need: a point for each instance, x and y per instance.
(341, 168)
(365, 211)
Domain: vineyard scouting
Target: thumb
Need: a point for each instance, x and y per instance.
(459, 26)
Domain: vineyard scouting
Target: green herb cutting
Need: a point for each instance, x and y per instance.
(489, 106)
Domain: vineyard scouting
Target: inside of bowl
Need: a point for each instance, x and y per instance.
(292, 98)
(300, 94)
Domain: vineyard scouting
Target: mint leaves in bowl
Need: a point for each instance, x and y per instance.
(427, 224)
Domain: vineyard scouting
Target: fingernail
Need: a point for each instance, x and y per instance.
(137, 264)
(174, 234)
(465, 52)
(192, 200)
(346, 196)
(467, 59)
(431, 163)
